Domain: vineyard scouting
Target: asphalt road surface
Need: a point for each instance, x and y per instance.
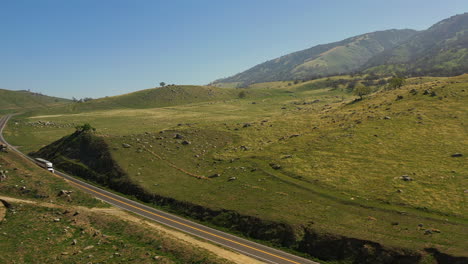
(243, 246)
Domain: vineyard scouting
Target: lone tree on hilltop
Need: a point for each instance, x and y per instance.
(361, 90)
(162, 84)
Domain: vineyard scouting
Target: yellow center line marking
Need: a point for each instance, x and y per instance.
(180, 223)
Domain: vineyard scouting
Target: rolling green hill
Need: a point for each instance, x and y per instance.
(155, 97)
(441, 50)
(339, 57)
(11, 101)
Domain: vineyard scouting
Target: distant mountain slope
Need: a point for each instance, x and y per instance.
(334, 58)
(440, 50)
(11, 101)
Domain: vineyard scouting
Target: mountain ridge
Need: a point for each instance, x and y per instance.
(440, 50)
(325, 59)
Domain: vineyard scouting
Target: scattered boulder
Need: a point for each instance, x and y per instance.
(74, 242)
(125, 145)
(3, 176)
(275, 166)
(185, 142)
(64, 192)
(406, 178)
(399, 97)
(178, 136)
(246, 125)
(88, 247)
(244, 148)
(3, 148)
(456, 155)
(387, 118)
(232, 178)
(216, 175)
(413, 91)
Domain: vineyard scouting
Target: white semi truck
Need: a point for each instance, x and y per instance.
(45, 164)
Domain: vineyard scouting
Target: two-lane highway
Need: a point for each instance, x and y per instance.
(258, 251)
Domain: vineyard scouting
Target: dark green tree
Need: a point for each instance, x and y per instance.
(162, 84)
(242, 94)
(361, 90)
(85, 128)
(396, 82)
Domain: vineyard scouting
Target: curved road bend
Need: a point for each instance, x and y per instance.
(243, 246)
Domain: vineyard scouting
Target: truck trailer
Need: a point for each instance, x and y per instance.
(45, 164)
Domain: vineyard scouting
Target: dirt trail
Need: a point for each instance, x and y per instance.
(2, 212)
(217, 250)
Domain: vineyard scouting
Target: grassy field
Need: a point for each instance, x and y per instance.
(42, 226)
(303, 154)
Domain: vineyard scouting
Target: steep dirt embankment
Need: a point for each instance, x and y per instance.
(86, 155)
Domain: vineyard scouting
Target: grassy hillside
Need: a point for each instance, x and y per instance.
(440, 50)
(339, 57)
(151, 98)
(307, 156)
(41, 226)
(15, 101)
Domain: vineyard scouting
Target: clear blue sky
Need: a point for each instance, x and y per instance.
(97, 48)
